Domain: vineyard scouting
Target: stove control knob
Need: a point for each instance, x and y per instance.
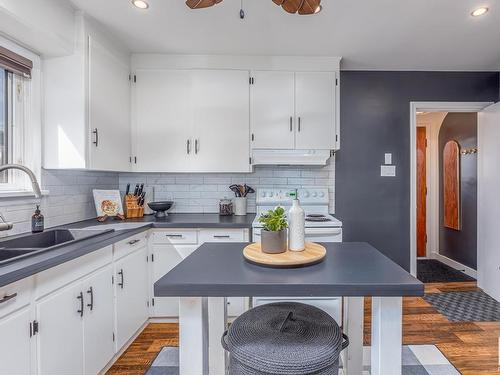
(306, 194)
(263, 194)
(315, 195)
(271, 194)
(321, 194)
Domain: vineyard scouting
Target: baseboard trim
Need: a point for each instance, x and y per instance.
(454, 264)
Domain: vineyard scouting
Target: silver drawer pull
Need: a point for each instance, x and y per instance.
(8, 297)
(175, 235)
(133, 242)
(222, 236)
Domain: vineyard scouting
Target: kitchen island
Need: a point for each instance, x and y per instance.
(218, 270)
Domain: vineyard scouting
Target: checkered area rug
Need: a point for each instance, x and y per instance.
(474, 306)
(417, 360)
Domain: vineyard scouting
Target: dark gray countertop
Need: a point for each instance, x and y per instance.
(349, 269)
(22, 268)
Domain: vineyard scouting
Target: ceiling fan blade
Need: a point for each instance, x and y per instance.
(309, 7)
(198, 4)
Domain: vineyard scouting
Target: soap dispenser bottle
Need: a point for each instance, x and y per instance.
(37, 221)
(296, 229)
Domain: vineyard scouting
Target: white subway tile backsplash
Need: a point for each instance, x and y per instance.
(202, 192)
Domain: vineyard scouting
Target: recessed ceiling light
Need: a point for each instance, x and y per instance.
(318, 9)
(141, 4)
(479, 12)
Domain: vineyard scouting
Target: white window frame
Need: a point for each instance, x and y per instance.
(25, 115)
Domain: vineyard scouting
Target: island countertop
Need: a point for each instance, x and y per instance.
(349, 269)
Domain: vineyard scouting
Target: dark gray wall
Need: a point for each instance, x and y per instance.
(460, 245)
(375, 118)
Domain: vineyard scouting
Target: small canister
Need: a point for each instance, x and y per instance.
(225, 207)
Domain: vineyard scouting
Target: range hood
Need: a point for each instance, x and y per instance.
(290, 157)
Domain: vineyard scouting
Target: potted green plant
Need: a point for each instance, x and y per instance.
(273, 235)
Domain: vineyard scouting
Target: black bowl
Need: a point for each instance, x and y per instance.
(160, 208)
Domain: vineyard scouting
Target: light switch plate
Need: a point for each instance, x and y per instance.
(388, 158)
(388, 170)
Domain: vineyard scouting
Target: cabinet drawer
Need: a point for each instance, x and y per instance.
(130, 244)
(222, 235)
(15, 296)
(182, 237)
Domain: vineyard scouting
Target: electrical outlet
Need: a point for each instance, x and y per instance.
(388, 170)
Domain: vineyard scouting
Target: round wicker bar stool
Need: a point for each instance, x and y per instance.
(284, 338)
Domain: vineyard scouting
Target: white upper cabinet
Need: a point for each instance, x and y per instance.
(109, 109)
(163, 121)
(272, 110)
(315, 110)
(293, 110)
(191, 121)
(87, 104)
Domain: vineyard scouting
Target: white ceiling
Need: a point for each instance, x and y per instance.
(368, 34)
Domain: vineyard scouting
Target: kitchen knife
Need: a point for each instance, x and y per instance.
(127, 191)
(141, 188)
(136, 190)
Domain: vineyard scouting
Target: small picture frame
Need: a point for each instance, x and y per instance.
(108, 203)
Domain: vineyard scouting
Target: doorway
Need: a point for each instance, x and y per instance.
(421, 229)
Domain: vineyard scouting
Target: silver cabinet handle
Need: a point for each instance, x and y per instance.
(299, 123)
(96, 139)
(122, 282)
(174, 235)
(222, 236)
(133, 242)
(188, 146)
(291, 123)
(196, 146)
(8, 297)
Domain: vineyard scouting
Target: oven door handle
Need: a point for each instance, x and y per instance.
(323, 231)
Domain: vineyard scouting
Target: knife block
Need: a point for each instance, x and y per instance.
(132, 208)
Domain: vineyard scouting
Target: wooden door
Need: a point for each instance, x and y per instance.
(315, 110)
(421, 192)
(272, 110)
(221, 121)
(163, 133)
(15, 343)
(60, 339)
(131, 282)
(109, 109)
(98, 323)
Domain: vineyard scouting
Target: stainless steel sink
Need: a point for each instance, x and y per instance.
(32, 244)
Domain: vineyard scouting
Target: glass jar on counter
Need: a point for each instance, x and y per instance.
(225, 207)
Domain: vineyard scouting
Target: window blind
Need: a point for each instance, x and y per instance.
(15, 63)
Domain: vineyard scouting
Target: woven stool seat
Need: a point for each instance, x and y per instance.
(284, 338)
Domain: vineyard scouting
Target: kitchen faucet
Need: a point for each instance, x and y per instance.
(4, 225)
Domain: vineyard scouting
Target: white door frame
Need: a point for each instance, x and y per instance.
(427, 107)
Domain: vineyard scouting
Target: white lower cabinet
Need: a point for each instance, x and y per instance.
(15, 343)
(98, 336)
(60, 336)
(171, 246)
(132, 294)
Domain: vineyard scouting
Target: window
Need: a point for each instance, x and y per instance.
(17, 131)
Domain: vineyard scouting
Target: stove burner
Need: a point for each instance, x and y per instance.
(317, 218)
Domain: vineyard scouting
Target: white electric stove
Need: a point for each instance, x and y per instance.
(320, 226)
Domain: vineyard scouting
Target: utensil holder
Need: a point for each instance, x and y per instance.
(132, 208)
(240, 206)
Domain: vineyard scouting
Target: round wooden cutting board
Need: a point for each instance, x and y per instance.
(313, 253)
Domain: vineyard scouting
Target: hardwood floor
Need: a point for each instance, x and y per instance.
(471, 347)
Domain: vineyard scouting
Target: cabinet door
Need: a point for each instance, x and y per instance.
(163, 121)
(221, 121)
(272, 110)
(98, 324)
(109, 109)
(131, 283)
(60, 337)
(15, 352)
(315, 110)
(165, 258)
